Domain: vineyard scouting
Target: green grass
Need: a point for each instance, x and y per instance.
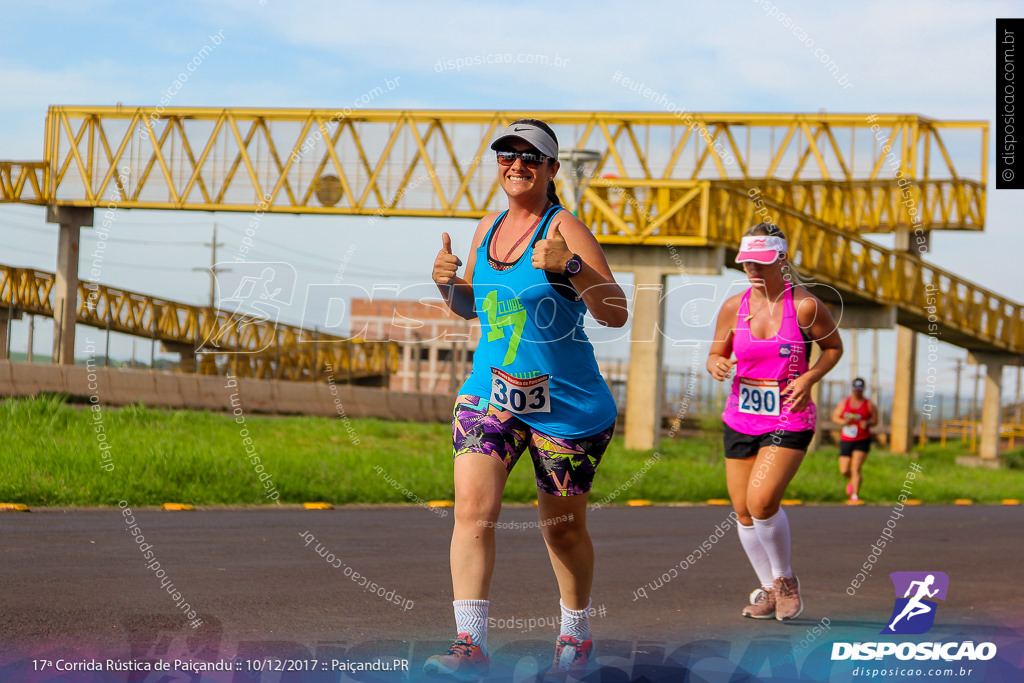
(50, 457)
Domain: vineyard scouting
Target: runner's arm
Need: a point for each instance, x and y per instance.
(720, 361)
(837, 414)
(457, 292)
(595, 283)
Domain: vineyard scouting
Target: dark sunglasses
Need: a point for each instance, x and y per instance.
(530, 159)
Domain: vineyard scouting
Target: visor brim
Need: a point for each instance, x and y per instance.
(765, 258)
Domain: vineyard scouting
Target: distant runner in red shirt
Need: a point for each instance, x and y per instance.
(857, 415)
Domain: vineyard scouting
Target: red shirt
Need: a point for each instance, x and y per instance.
(854, 432)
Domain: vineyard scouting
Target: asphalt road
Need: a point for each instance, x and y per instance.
(74, 585)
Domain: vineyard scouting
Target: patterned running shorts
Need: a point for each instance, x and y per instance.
(564, 467)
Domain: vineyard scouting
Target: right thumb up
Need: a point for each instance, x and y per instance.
(446, 265)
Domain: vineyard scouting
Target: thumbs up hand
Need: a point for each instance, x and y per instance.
(446, 264)
(552, 253)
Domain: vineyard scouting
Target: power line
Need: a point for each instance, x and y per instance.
(279, 246)
(213, 269)
(167, 243)
(130, 266)
(354, 270)
(92, 236)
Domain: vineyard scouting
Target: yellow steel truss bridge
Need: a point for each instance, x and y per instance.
(685, 180)
(244, 346)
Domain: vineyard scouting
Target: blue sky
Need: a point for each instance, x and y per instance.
(932, 58)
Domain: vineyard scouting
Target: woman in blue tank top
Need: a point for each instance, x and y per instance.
(532, 274)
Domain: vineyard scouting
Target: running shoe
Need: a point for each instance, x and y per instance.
(464, 660)
(762, 604)
(788, 604)
(571, 658)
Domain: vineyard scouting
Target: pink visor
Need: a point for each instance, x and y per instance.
(764, 249)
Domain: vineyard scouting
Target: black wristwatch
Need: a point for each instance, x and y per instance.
(573, 266)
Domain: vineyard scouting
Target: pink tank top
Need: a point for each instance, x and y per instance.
(764, 367)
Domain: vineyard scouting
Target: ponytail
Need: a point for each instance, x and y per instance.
(552, 194)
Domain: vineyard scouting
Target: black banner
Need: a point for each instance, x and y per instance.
(1009, 126)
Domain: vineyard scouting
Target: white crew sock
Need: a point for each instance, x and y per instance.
(756, 554)
(774, 536)
(471, 618)
(576, 622)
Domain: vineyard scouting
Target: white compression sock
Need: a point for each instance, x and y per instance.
(576, 622)
(756, 554)
(471, 618)
(774, 536)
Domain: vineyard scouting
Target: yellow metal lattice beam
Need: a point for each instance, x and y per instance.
(435, 163)
(659, 181)
(246, 346)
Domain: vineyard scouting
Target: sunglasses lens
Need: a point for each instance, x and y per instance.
(530, 159)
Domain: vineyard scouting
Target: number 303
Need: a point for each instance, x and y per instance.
(516, 398)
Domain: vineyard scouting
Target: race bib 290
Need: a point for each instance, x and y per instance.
(759, 397)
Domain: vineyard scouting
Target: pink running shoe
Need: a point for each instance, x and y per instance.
(788, 604)
(762, 604)
(464, 660)
(571, 658)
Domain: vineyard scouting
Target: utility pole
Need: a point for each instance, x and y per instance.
(974, 402)
(1018, 394)
(213, 269)
(32, 343)
(853, 354)
(875, 388)
(959, 367)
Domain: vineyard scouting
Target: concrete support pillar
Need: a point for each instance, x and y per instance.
(187, 362)
(823, 415)
(186, 356)
(990, 413)
(901, 435)
(853, 358)
(6, 316)
(405, 366)
(989, 447)
(644, 384)
(908, 240)
(65, 286)
(644, 387)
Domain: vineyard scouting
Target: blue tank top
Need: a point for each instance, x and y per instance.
(534, 358)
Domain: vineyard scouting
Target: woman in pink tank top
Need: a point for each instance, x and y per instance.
(769, 416)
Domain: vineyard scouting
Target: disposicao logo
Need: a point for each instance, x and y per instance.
(914, 613)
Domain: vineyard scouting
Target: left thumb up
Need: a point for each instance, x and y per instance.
(551, 253)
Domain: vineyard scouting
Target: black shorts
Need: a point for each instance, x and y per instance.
(739, 445)
(846, 448)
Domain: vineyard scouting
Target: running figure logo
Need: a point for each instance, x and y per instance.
(259, 292)
(914, 613)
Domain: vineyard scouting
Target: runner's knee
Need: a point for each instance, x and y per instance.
(761, 506)
(477, 510)
(561, 533)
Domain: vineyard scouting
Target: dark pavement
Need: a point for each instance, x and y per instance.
(74, 584)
